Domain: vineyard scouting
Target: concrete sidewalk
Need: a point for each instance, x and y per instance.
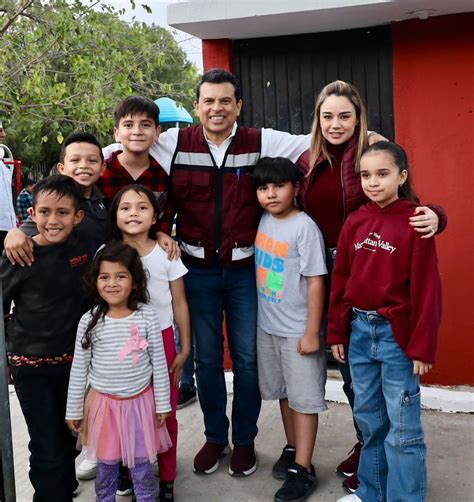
(449, 437)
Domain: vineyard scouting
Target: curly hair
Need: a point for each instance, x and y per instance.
(114, 252)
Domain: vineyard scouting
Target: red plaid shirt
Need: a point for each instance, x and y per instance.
(116, 177)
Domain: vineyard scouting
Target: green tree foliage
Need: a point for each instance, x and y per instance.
(65, 64)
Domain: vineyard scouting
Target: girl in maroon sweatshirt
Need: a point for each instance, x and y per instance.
(386, 296)
(331, 190)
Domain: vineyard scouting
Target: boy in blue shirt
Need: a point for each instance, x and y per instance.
(290, 269)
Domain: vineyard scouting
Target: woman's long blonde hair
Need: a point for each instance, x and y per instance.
(318, 142)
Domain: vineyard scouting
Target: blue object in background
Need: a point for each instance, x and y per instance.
(171, 113)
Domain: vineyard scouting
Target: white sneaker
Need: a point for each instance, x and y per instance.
(350, 498)
(87, 469)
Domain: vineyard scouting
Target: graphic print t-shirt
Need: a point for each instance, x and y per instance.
(286, 252)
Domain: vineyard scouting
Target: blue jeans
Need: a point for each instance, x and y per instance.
(388, 411)
(211, 291)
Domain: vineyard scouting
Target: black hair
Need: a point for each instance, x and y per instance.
(61, 186)
(79, 137)
(115, 252)
(400, 159)
(219, 76)
(275, 170)
(132, 105)
(113, 231)
(27, 182)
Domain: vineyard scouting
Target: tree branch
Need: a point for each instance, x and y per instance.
(21, 8)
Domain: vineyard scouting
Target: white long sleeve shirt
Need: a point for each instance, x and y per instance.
(274, 144)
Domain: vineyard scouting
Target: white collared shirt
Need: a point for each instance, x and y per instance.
(274, 144)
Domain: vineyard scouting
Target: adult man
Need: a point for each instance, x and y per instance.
(210, 167)
(211, 186)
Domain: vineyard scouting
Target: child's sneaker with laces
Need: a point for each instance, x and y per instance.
(299, 484)
(349, 466)
(282, 465)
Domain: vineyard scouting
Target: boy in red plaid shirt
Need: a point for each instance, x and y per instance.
(136, 128)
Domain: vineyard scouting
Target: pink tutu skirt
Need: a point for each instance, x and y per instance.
(122, 430)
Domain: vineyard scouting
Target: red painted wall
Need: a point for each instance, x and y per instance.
(433, 71)
(218, 54)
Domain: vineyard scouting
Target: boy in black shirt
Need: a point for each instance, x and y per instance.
(81, 159)
(48, 303)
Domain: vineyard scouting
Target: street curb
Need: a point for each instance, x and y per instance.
(432, 398)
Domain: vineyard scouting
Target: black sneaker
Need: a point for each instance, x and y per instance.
(125, 485)
(166, 491)
(281, 466)
(299, 484)
(187, 395)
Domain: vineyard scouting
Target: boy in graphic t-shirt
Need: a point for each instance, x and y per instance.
(290, 269)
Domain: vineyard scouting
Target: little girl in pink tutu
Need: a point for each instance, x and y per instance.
(119, 352)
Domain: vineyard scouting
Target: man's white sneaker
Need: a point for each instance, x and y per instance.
(87, 469)
(350, 498)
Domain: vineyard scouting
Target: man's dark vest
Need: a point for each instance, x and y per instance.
(217, 207)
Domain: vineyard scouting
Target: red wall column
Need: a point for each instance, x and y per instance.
(433, 74)
(218, 54)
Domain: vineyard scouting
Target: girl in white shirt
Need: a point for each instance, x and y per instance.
(133, 215)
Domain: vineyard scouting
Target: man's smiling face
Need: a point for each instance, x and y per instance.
(217, 110)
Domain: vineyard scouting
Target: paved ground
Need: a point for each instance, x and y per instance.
(450, 440)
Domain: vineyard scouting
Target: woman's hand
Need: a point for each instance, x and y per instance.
(169, 245)
(19, 248)
(338, 352)
(425, 221)
(74, 425)
(161, 417)
(421, 368)
(375, 137)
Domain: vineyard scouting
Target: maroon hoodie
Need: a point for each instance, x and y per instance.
(383, 265)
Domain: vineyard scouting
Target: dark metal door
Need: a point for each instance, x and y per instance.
(280, 77)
